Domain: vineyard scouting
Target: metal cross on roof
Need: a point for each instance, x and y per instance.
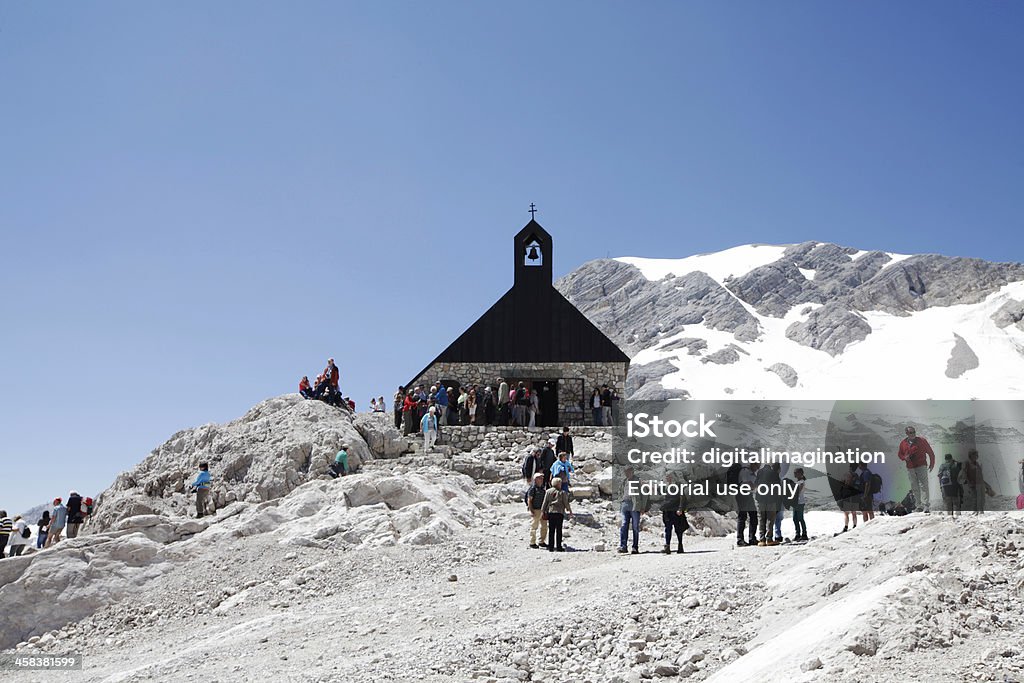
(533, 210)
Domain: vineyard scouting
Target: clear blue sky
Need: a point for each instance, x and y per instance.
(200, 202)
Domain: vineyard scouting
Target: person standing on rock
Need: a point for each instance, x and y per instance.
(949, 475)
(503, 408)
(850, 497)
(534, 505)
(549, 458)
(746, 507)
(633, 505)
(201, 485)
(58, 520)
(75, 517)
(975, 486)
(556, 507)
(399, 401)
(6, 527)
(867, 500)
(429, 428)
(606, 406)
(533, 465)
(799, 503)
(488, 406)
(533, 408)
(673, 516)
(19, 536)
(520, 403)
(471, 414)
(561, 470)
(564, 443)
(916, 453)
(441, 399)
(42, 529)
(409, 413)
(766, 498)
(595, 406)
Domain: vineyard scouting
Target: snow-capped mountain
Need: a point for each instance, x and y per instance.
(810, 321)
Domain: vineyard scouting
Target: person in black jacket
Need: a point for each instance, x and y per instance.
(564, 443)
(75, 517)
(533, 465)
(534, 502)
(549, 457)
(673, 514)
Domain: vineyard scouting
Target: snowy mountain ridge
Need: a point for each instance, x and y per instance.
(810, 321)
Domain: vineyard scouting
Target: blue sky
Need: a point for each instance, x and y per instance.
(201, 202)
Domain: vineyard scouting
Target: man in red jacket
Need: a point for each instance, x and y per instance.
(915, 452)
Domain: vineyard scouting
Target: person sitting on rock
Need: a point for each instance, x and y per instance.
(534, 502)
(556, 506)
(201, 486)
(561, 470)
(340, 465)
(429, 428)
(305, 389)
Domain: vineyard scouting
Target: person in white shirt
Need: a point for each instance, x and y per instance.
(18, 538)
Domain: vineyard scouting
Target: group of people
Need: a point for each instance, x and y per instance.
(961, 483)
(16, 534)
(510, 405)
(760, 514)
(326, 387)
(604, 406)
(547, 497)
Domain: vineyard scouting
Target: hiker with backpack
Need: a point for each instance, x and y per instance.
(949, 475)
(556, 506)
(20, 535)
(201, 486)
(916, 452)
(75, 517)
(867, 486)
(534, 505)
(849, 497)
(799, 499)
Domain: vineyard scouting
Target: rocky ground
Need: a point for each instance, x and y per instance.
(415, 570)
(914, 598)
